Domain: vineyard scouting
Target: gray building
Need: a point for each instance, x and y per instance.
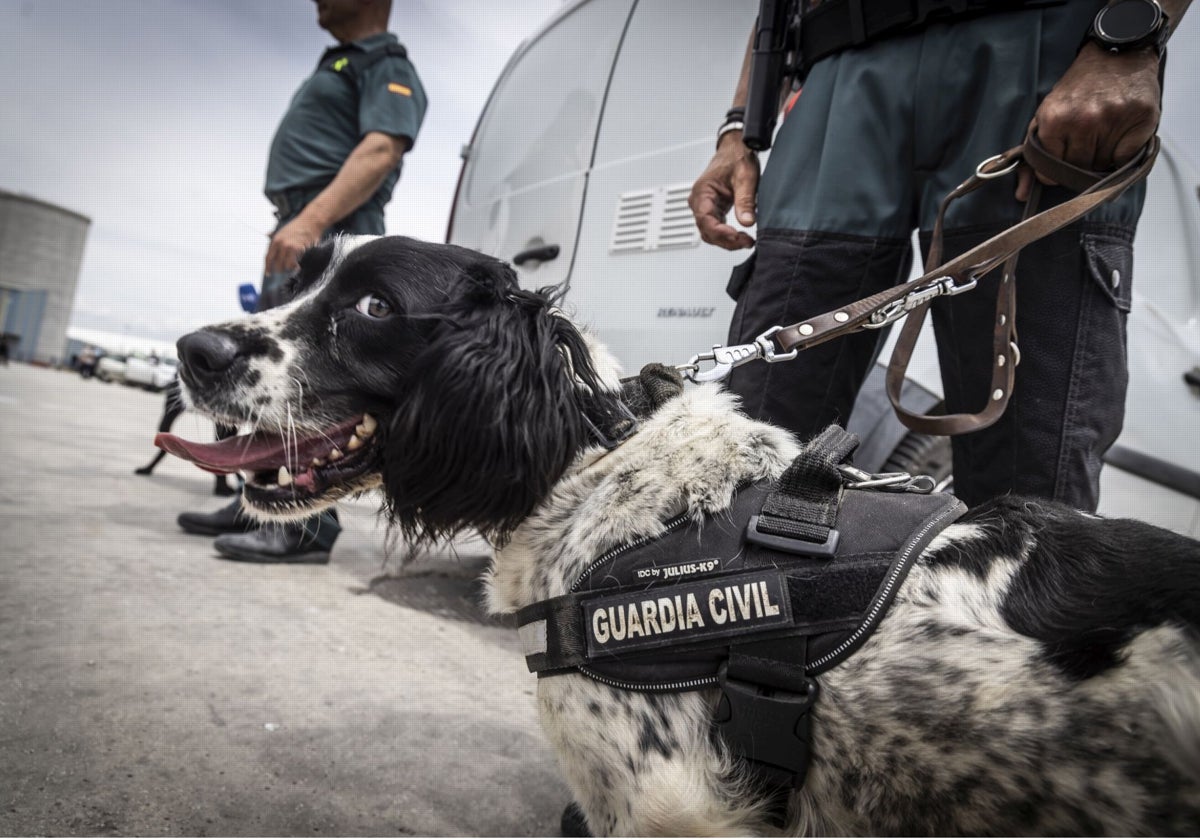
(41, 248)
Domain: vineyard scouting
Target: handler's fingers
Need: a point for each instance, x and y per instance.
(710, 208)
(745, 191)
(1024, 183)
(723, 235)
(1053, 140)
(271, 263)
(1130, 144)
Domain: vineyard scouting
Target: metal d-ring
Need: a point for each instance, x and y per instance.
(988, 175)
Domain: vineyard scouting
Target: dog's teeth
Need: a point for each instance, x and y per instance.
(353, 443)
(285, 477)
(335, 454)
(368, 425)
(317, 462)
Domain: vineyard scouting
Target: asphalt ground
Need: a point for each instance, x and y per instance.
(148, 687)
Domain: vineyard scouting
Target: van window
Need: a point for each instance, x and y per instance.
(541, 121)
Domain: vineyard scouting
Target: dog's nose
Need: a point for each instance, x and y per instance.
(205, 353)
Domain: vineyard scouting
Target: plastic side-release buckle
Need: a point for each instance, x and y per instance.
(792, 545)
(768, 726)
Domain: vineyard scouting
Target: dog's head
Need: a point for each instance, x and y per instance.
(423, 368)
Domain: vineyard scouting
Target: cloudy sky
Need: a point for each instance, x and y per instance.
(153, 117)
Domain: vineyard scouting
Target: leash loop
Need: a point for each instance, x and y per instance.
(983, 172)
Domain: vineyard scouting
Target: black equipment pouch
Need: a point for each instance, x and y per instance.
(774, 44)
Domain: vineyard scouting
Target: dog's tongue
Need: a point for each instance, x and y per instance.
(259, 451)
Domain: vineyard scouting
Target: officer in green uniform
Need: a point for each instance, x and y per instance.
(892, 116)
(334, 161)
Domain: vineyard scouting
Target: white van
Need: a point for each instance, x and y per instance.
(579, 172)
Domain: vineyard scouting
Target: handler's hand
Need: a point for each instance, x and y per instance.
(288, 243)
(731, 180)
(1103, 109)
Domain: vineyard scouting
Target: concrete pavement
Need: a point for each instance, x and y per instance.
(149, 688)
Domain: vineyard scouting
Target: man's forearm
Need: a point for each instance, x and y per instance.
(358, 179)
(742, 92)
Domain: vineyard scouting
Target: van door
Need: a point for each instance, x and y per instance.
(525, 174)
(642, 276)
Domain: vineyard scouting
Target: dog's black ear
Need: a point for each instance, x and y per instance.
(495, 414)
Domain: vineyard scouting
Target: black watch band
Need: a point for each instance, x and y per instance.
(1126, 25)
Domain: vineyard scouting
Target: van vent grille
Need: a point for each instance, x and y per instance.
(649, 220)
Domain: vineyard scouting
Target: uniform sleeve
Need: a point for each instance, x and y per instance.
(391, 99)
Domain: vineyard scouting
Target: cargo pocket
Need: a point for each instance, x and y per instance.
(740, 276)
(1095, 404)
(1110, 266)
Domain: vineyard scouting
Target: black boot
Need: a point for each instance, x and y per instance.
(307, 542)
(228, 520)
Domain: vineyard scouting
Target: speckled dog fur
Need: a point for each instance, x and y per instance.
(1038, 673)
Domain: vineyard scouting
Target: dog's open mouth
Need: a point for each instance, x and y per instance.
(292, 473)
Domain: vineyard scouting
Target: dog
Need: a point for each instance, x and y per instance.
(1038, 672)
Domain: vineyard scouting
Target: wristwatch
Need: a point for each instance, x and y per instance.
(1126, 25)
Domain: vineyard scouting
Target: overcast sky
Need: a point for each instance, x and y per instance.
(154, 118)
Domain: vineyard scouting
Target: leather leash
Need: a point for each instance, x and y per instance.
(912, 299)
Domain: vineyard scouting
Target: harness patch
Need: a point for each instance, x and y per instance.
(679, 570)
(712, 609)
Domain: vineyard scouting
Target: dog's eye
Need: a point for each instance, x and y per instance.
(373, 306)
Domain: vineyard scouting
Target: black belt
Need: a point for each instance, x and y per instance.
(835, 25)
(289, 203)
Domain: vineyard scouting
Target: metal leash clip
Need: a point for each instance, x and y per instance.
(896, 482)
(897, 309)
(725, 359)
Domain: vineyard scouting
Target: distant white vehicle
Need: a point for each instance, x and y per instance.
(579, 172)
(110, 368)
(149, 372)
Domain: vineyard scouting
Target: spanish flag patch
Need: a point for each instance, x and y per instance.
(400, 89)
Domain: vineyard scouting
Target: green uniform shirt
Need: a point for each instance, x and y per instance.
(336, 107)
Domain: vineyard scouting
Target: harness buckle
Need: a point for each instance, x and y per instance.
(792, 545)
(621, 432)
(768, 726)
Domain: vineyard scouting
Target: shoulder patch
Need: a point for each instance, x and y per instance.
(403, 90)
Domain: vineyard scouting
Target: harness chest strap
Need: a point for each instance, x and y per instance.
(679, 598)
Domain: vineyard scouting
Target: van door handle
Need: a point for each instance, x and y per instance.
(544, 253)
(1192, 377)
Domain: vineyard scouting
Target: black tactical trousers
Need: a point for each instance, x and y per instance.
(878, 136)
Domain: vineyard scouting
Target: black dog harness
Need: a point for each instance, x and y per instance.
(758, 601)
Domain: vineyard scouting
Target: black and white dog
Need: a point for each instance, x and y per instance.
(1038, 673)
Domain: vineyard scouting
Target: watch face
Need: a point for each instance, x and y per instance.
(1128, 20)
